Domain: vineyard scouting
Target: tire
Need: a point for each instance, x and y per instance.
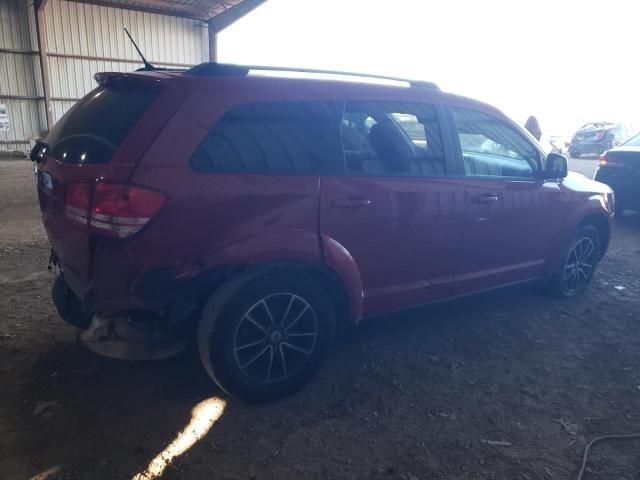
(578, 264)
(574, 154)
(262, 336)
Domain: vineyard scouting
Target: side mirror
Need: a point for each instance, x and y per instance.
(557, 166)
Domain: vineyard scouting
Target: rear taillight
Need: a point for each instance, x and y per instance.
(610, 159)
(76, 207)
(114, 209)
(603, 158)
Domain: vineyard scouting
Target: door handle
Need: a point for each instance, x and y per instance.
(350, 202)
(485, 198)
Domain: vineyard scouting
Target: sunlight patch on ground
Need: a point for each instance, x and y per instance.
(47, 473)
(203, 416)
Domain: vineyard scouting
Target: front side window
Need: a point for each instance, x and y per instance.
(273, 137)
(491, 147)
(392, 138)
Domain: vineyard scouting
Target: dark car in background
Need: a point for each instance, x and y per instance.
(597, 137)
(620, 169)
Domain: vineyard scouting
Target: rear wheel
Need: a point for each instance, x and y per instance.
(263, 336)
(579, 263)
(574, 154)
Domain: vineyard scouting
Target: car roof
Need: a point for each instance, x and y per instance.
(241, 83)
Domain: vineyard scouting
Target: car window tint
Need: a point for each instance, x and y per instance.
(491, 147)
(392, 138)
(273, 137)
(93, 129)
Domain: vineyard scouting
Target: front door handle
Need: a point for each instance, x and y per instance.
(350, 202)
(485, 198)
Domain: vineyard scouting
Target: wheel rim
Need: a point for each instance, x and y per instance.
(275, 337)
(579, 265)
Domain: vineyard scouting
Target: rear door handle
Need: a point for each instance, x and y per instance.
(485, 198)
(350, 202)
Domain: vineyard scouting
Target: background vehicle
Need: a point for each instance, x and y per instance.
(596, 137)
(263, 213)
(620, 169)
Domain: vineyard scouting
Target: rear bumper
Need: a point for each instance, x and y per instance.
(115, 282)
(625, 184)
(590, 147)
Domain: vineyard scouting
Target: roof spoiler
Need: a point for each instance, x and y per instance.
(120, 78)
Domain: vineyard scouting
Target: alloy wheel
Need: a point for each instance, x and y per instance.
(275, 337)
(580, 264)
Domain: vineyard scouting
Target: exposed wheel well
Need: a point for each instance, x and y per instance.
(601, 224)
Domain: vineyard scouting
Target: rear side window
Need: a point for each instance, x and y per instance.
(93, 129)
(273, 137)
(392, 138)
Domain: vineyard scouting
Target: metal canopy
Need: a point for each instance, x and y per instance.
(221, 13)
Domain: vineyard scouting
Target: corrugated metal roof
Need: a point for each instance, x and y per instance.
(200, 9)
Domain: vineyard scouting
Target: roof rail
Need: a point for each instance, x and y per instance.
(226, 69)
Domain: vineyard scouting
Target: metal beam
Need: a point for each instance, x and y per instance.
(119, 60)
(20, 97)
(233, 14)
(41, 35)
(40, 4)
(213, 43)
(159, 7)
(18, 52)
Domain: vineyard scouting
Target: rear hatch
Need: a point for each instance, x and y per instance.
(97, 143)
(593, 132)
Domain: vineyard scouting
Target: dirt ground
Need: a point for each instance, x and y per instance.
(421, 395)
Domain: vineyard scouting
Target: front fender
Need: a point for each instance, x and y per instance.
(593, 206)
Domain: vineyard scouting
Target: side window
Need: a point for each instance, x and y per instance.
(392, 138)
(274, 137)
(491, 147)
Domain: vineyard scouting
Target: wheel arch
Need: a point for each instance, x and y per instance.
(602, 224)
(208, 281)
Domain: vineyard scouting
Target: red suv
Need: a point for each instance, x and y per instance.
(260, 213)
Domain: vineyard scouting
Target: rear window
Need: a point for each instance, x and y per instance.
(93, 129)
(273, 137)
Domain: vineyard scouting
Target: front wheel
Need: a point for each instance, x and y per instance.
(579, 263)
(264, 335)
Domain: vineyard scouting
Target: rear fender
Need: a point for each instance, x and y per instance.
(338, 259)
(263, 247)
(288, 249)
